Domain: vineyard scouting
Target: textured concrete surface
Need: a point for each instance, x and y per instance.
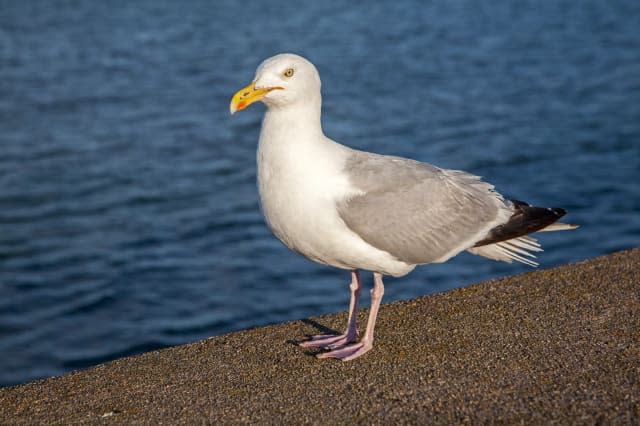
(553, 346)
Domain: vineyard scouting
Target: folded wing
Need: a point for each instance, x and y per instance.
(417, 212)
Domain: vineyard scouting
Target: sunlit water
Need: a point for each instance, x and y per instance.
(129, 217)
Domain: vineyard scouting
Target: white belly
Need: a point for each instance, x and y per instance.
(299, 199)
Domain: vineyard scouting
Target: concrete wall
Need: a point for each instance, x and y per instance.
(551, 346)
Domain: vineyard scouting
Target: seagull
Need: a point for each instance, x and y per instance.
(357, 210)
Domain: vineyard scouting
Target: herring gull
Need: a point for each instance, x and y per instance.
(357, 210)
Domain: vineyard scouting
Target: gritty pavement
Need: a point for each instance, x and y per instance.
(558, 346)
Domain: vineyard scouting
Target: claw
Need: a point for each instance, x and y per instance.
(329, 341)
(348, 352)
(342, 346)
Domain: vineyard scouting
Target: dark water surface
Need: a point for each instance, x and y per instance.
(129, 217)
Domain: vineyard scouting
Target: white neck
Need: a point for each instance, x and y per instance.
(298, 123)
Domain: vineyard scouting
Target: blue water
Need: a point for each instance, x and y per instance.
(129, 218)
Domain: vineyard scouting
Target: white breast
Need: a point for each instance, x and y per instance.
(300, 181)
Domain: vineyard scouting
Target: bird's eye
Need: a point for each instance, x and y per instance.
(288, 72)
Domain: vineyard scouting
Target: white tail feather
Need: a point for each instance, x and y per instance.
(558, 227)
(518, 248)
(510, 250)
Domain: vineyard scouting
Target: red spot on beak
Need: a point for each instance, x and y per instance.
(242, 105)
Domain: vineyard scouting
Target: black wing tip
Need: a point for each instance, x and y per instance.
(526, 219)
(557, 211)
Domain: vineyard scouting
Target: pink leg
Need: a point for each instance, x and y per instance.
(331, 340)
(349, 352)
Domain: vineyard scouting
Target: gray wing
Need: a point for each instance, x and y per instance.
(417, 212)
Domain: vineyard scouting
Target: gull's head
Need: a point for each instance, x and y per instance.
(280, 81)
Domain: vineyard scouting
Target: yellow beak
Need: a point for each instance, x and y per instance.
(248, 95)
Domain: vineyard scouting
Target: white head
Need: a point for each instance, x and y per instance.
(281, 81)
